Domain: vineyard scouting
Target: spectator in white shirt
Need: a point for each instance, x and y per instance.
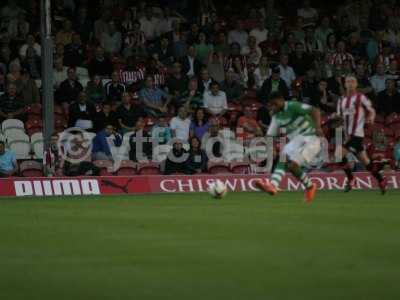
(215, 100)
(252, 51)
(111, 41)
(309, 14)
(149, 24)
(287, 72)
(101, 25)
(165, 22)
(180, 125)
(262, 72)
(30, 43)
(59, 72)
(238, 35)
(260, 32)
(378, 81)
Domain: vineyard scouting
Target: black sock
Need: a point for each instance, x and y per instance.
(347, 169)
(375, 171)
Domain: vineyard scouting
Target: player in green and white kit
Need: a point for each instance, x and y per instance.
(302, 125)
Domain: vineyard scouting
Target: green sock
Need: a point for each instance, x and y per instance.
(278, 173)
(302, 176)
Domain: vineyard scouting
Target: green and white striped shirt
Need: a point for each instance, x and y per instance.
(295, 119)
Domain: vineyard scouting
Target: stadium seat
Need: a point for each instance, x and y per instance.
(31, 168)
(12, 124)
(127, 168)
(16, 134)
(218, 168)
(105, 166)
(22, 149)
(37, 145)
(239, 168)
(150, 168)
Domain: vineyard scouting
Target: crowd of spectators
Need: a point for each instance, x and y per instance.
(179, 69)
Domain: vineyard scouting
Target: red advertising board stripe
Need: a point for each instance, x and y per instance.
(115, 185)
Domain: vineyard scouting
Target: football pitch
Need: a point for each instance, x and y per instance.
(189, 246)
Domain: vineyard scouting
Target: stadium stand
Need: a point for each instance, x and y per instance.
(102, 57)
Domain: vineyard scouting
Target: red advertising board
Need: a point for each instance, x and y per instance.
(169, 184)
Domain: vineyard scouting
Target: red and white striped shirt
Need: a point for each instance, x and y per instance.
(354, 110)
(338, 59)
(131, 77)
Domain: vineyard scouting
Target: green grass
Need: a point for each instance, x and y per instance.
(247, 246)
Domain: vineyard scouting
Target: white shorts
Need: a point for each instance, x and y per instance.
(303, 149)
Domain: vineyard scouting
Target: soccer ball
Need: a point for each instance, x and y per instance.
(217, 189)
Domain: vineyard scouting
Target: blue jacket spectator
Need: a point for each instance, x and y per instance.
(154, 99)
(101, 143)
(8, 161)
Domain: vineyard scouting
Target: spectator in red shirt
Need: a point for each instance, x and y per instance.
(248, 127)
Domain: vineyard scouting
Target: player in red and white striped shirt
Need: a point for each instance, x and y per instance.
(356, 110)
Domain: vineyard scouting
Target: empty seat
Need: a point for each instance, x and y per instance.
(127, 168)
(12, 124)
(240, 167)
(15, 134)
(106, 167)
(31, 168)
(37, 145)
(21, 149)
(150, 168)
(218, 168)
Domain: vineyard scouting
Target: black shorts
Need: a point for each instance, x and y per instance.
(355, 145)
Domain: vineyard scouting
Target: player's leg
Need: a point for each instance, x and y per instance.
(302, 151)
(347, 168)
(272, 186)
(298, 172)
(290, 149)
(375, 170)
